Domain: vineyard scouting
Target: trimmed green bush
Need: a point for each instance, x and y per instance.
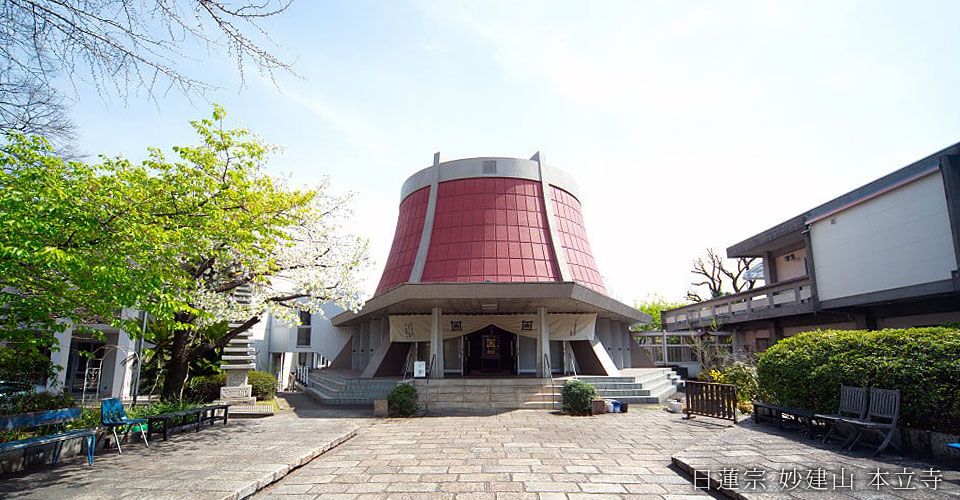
(806, 371)
(35, 401)
(577, 396)
(264, 384)
(204, 388)
(402, 401)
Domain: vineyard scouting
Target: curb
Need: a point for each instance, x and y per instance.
(269, 478)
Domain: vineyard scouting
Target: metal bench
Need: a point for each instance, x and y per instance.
(803, 417)
(57, 418)
(161, 424)
(853, 405)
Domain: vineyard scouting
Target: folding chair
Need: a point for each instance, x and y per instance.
(853, 405)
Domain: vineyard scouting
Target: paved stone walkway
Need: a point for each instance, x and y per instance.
(766, 448)
(221, 462)
(521, 454)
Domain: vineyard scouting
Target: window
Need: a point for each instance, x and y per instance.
(303, 331)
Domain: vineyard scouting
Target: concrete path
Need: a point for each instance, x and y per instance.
(785, 464)
(220, 462)
(522, 454)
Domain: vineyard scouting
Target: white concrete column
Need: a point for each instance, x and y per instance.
(543, 344)
(436, 344)
(666, 359)
(125, 364)
(61, 359)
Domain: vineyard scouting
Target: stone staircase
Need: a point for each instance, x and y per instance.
(333, 389)
(491, 393)
(488, 394)
(649, 388)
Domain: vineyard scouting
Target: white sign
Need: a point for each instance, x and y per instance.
(419, 369)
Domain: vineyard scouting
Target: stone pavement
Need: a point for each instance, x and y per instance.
(220, 462)
(767, 448)
(520, 454)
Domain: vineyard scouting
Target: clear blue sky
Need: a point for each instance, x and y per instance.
(687, 124)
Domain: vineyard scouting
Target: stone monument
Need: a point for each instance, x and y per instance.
(238, 358)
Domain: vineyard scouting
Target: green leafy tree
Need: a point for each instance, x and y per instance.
(237, 243)
(69, 251)
(206, 244)
(654, 306)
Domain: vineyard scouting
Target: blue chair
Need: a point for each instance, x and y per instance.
(112, 416)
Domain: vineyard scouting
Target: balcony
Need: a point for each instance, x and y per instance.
(785, 298)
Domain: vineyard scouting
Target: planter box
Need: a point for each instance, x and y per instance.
(598, 406)
(929, 444)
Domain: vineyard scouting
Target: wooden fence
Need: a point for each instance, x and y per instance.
(711, 400)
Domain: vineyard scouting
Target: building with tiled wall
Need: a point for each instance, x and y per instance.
(490, 273)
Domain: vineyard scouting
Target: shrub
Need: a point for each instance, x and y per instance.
(35, 401)
(264, 384)
(577, 396)
(744, 376)
(402, 400)
(806, 371)
(205, 388)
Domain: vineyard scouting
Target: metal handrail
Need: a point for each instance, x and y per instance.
(406, 369)
(426, 384)
(553, 385)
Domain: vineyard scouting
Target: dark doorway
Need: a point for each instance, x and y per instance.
(490, 351)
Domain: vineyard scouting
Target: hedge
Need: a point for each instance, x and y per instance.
(806, 371)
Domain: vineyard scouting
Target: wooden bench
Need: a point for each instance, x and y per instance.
(57, 418)
(161, 424)
(853, 406)
(881, 420)
(805, 418)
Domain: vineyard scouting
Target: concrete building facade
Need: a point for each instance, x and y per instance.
(885, 255)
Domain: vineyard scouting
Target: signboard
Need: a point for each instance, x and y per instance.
(419, 369)
(491, 346)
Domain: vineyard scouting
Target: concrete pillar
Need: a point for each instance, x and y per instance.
(616, 343)
(436, 344)
(123, 369)
(61, 359)
(666, 358)
(543, 344)
(628, 346)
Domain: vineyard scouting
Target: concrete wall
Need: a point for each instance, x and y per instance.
(791, 265)
(897, 239)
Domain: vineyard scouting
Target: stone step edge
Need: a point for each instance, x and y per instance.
(272, 477)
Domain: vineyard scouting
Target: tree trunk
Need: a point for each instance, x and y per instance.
(176, 372)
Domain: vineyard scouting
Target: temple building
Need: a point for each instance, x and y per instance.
(490, 276)
(490, 273)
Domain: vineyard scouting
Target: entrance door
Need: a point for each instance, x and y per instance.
(490, 351)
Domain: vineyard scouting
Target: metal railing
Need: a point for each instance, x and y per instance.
(553, 385)
(785, 293)
(426, 384)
